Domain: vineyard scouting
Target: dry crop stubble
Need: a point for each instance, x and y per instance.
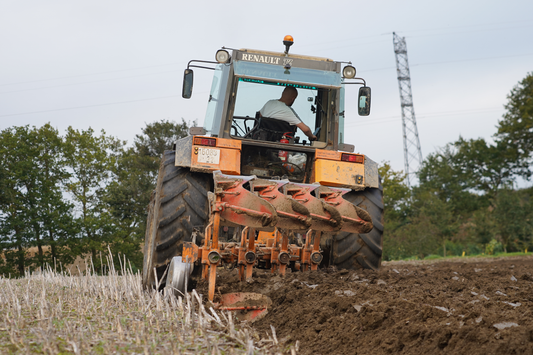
(53, 312)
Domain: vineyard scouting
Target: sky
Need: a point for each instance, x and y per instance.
(118, 65)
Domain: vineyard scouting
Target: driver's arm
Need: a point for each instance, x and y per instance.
(307, 131)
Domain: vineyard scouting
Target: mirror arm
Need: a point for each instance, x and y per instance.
(200, 61)
(198, 66)
(357, 83)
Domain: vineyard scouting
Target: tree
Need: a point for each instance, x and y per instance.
(516, 128)
(487, 167)
(435, 217)
(14, 219)
(89, 159)
(34, 212)
(396, 193)
(156, 137)
(134, 176)
(50, 213)
(396, 201)
(443, 174)
(512, 214)
(126, 197)
(160, 136)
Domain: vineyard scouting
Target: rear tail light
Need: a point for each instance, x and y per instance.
(211, 142)
(352, 158)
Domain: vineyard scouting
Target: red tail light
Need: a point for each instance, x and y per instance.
(212, 142)
(352, 158)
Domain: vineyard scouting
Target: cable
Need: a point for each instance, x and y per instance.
(303, 46)
(88, 82)
(423, 116)
(81, 75)
(450, 61)
(469, 26)
(78, 107)
(469, 60)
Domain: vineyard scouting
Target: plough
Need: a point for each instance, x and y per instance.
(270, 211)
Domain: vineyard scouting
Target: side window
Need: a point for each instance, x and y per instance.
(216, 100)
(341, 116)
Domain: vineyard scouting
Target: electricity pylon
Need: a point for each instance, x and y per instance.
(411, 143)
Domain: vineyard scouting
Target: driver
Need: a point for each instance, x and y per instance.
(281, 110)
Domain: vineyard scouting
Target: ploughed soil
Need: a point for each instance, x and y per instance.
(477, 306)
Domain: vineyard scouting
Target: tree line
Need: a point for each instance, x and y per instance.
(82, 192)
(467, 199)
(76, 194)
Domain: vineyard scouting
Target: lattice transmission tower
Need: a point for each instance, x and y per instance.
(411, 143)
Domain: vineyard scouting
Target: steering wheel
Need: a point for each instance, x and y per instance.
(316, 133)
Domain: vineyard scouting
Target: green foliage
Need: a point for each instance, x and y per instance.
(396, 193)
(486, 167)
(89, 159)
(483, 228)
(464, 201)
(493, 247)
(134, 177)
(516, 128)
(513, 219)
(160, 136)
(442, 173)
(76, 195)
(33, 210)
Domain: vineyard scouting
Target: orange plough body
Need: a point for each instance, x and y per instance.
(275, 209)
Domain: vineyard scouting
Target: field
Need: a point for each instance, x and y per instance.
(481, 306)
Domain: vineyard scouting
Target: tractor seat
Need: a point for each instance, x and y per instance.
(270, 129)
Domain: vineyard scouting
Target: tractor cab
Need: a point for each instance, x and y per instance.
(245, 80)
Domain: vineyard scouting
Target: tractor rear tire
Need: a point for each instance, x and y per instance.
(354, 251)
(178, 204)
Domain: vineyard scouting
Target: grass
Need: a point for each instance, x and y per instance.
(55, 313)
(495, 255)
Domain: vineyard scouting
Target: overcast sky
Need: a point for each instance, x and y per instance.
(117, 65)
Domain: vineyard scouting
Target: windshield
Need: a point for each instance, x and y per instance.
(252, 95)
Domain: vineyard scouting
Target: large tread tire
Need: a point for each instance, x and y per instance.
(178, 205)
(355, 251)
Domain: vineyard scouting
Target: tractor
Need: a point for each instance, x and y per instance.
(249, 191)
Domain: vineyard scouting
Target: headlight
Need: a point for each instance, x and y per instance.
(222, 56)
(348, 72)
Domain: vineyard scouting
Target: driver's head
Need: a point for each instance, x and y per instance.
(289, 95)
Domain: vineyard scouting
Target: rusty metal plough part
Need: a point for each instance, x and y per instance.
(278, 207)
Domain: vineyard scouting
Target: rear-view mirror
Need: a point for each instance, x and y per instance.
(188, 78)
(363, 106)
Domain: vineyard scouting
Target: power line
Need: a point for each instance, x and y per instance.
(387, 119)
(463, 32)
(452, 61)
(303, 46)
(89, 82)
(96, 105)
(98, 73)
(475, 25)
